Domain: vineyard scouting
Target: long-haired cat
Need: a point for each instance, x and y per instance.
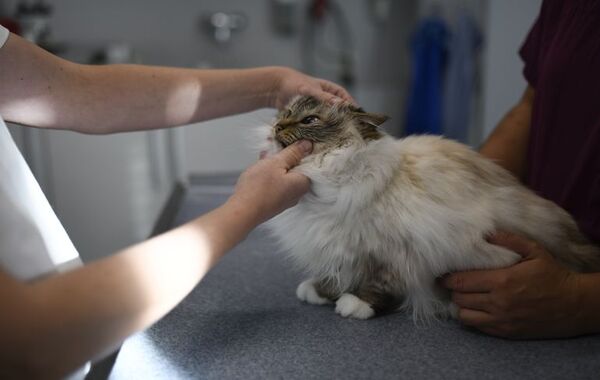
(385, 217)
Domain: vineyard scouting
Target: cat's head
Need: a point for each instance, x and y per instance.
(327, 126)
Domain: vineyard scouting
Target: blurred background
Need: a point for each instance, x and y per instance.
(449, 67)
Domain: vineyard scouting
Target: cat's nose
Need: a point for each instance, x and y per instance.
(279, 128)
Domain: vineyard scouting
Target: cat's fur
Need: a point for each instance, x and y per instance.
(385, 217)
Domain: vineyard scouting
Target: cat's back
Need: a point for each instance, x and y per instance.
(438, 163)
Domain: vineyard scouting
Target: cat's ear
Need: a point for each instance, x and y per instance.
(373, 119)
(368, 124)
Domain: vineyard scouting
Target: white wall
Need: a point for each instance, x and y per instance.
(105, 189)
(507, 24)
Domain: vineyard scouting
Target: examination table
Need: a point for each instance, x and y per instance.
(243, 321)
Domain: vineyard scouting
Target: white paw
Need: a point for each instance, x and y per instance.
(349, 305)
(306, 292)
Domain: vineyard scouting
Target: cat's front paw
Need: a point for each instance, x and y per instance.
(306, 292)
(349, 305)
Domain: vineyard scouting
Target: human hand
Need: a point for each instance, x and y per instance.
(535, 298)
(289, 83)
(269, 187)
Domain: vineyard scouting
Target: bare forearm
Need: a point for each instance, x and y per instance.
(92, 309)
(42, 90)
(144, 97)
(507, 145)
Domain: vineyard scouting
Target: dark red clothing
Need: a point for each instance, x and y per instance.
(562, 64)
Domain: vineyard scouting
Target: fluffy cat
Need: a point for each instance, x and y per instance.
(385, 217)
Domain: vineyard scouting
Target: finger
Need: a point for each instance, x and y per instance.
(473, 301)
(476, 318)
(293, 154)
(525, 247)
(470, 282)
(337, 90)
(318, 93)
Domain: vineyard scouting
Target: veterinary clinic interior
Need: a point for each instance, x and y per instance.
(300, 189)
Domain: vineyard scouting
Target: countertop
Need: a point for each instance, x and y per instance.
(243, 321)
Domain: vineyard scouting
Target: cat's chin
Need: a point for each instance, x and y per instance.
(283, 144)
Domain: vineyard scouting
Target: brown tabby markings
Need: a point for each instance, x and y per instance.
(378, 286)
(289, 127)
(326, 288)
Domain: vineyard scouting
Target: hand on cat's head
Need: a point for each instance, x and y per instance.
(327, 126)
(290, 83)
(269, 187)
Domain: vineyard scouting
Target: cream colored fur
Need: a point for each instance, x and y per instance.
(421, 205)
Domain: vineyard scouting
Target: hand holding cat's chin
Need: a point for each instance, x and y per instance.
(268, 187)
(289, 83)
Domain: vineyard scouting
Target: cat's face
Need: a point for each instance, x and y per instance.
(327, 126)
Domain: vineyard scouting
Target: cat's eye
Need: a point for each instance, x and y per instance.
(309, 119)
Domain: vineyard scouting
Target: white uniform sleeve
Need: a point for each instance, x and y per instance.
(3, 35)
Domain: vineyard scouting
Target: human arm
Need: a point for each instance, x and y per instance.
(52, 326)
(535, 298)
(507, 144)
(42, 90)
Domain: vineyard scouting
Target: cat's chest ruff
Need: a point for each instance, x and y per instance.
(334, 218)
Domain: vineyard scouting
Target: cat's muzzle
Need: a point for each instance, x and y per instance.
(286, 137)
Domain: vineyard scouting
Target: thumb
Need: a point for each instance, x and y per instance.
(527, 248)
(293, 154)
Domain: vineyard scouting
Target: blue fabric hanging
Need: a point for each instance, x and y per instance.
(424, 103)
(460, 77)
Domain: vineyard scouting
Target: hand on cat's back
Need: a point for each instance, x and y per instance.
(533, 298)
(269, 187)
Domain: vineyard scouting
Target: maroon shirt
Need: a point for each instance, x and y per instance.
(562, 63)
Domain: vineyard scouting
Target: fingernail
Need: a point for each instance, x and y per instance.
(305, 145)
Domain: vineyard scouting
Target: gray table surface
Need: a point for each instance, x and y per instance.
(243, 321)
